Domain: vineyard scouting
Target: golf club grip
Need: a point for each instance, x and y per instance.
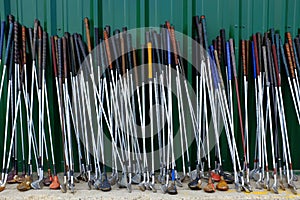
(290, 42)
(96, 42)
(223, 42)
(45, 37)
(243, 45)
(264, 52)
(232, 56)
(107, 48)
(16, 34)
(258, 37)
(24, 44)
(276, 65)
(85, 65)
(296, 57)
(149, 47)
(219, 48)
(277, 49)
(289, 58)
(35, 32)
(2, 38)
(59, 69)
(256, 54)
(115, 54)
(228, 61)
(65, 63)
(213, 71)
(219, 69)
(107, 28)
(129, 50)
(203, 21)
(284, 59)
(73, 56)
(196, 22)
(122, 54)
(168, 48)
(253, 60)
(157, 49)
(135, 66)
(174, 45)
(40, 53)
(8, 43)
(77, 48)
(88, 36)
(11, 62)
(53, 50)
(272, 34)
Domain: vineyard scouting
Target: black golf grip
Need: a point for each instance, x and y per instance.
(59, 54)
(123, 62)
(272, 34)
(259, 51)
(53, 51)
(284, 58)
(72, 55)
(2, 38)
(277, 49)
(276, 65)
(16, 49)
(85, 67)
(96, 42)
(11, 62)
(223, 43)
(129, 50)
(33, 46)
(45, 38)
(40, 52)
(157, 48)
(203, 21)
(77, 48)
(65, 63)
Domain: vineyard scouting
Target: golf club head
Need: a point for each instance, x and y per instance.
(63, 187)
(164, 188)
(123, 182)
(11, 178)
(36, 185)
(247, 185)
(195, 184)
(105, 186)
(71, 188)
(215, 176)
(252, 173)
(194, 174)
(228, 177)
(152, 187)
(222, 185)
(237, 186)
(97, 184)
(2, 187)
(209, 188)
(90, 184)
(142, 186)
(259, 185)
(274, 188)
(172, 190)
(294, 177)
(55, 185)
(136, 179)
(281, 185)
(178, 182)
(81, 177)
(113, 179)
(129, 187)
(292, 187)
(25, 185)
(47, 181)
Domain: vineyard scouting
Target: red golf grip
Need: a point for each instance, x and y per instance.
(276, 65)
(53, 50)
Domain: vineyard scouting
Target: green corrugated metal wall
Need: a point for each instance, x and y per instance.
(240, 18)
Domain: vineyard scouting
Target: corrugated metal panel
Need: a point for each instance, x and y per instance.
(240, 19)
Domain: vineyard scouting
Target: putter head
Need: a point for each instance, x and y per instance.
(222, 185)
(55, 185)
(228, 177)
(195, 184)
(136, 179)
(172, 190)
(97, 184)
(210, 187)
(20, 179)
(215, 176)
(25, 185)
(292, 187)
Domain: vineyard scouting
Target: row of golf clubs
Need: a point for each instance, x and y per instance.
(67, 49)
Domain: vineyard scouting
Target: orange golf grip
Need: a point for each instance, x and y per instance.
(88, 36)
(149, 47)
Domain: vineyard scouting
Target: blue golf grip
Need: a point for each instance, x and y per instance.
(228, 61)
(2, 38)
(253, 59)
(173, 175)
(11, 25)
(168, 48)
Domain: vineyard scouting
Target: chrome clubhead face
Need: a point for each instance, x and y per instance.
(123, 182)
(237, 186)
(63, 188)
(194, 174)
(164, 188)
(248, 186)
(152, 187)
(136, 179)
(274, 188)
(36, 185)
(178, 182)
(71, 187)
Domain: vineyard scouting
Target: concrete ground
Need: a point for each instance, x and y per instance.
(82, 192)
